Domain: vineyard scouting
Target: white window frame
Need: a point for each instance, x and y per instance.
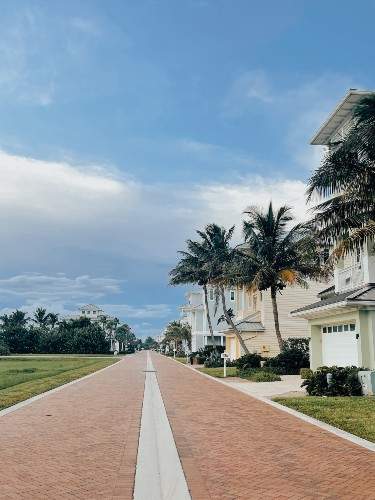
(230, 295)
(339, 328)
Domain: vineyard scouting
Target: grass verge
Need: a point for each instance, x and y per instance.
(219, 372)
(23, 378)
(351, 414)
(181, 360)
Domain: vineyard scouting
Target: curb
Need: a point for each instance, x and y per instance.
(28, 401)
(364, 443)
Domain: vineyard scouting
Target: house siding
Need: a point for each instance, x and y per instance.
(291, 298)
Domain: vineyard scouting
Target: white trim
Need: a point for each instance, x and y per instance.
(26, 402)
(313, 421)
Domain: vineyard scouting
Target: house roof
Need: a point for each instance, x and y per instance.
(327, 292)
(247, 325)
(90, 307)
(339, 116)
(362, 294)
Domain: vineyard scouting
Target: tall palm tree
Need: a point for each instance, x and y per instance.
(218, 255)
(41, 318)
(177, 332)
(346, 178)
(278, 256)
(53, 319)
(191, 270)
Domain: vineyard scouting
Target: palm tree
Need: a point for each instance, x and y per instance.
(53, 319)
(346, 178)
(191, 270)
(177, 332)
(277, 256)
(218, 256)
(41, 318)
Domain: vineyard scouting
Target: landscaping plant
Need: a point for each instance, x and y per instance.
(341, 381)
(294, 355)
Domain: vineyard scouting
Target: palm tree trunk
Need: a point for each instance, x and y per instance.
(231, 323)
(276, 317)
(208, 315)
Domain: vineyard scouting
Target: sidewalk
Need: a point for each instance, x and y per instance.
(80, 442)
(235, 447)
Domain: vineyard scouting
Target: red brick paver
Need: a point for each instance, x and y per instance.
(78, 443)
(233, 446)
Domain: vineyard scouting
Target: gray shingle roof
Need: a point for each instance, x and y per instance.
(364, 294)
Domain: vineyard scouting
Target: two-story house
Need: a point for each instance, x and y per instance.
(255, 320)
(342, 322)
(194, 313)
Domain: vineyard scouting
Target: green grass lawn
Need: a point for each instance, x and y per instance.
(219, 372)
(352, 414)
(22, 378)
(181, 360)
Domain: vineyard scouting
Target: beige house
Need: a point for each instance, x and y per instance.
(254, 319)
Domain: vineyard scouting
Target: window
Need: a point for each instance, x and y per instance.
(211, 294)
(232, 296)
(338, 328)
(254, 302)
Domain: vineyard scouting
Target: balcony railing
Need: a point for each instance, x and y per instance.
(350, 277)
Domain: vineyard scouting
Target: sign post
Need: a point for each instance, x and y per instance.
(225, 357)
(174, 353)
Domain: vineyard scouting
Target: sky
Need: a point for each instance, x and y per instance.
(126, 125)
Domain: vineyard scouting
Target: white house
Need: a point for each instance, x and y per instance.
(342, 321)
(95, 313)
(194, 313)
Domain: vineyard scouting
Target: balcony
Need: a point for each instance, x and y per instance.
(350, 277)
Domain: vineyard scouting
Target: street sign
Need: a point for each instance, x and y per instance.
(224, 355)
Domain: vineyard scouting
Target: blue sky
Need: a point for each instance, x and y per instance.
(126, 125)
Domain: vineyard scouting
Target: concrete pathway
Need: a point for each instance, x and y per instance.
(289, 385)
(235, 447)
(159, 474)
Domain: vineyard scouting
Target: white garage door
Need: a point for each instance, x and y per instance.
(339, 345)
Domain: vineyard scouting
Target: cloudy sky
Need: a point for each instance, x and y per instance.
(126, 125)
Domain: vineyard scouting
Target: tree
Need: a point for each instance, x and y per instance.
(277, 256)
(217, 254)
(16, 334)
(176, 333)
(41, 318)
(53, 319)
(346, 177)
(125, 335)
(192, 269)
(150, 343)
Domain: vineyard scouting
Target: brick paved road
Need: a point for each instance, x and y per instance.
(235, 447)
(78, 443)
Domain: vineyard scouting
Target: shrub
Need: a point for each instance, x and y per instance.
(246, 361)
(293, 356)
(305, 373)
(4, 349)
(344, 382)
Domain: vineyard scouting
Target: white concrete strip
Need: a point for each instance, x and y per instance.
(313, 421)
(26, 402)
(159, 474)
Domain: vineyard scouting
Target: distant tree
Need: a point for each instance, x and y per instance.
(125, 335)
(15, 333)
(150, 343)
(41, 318)
(53, 319)
(176, 333)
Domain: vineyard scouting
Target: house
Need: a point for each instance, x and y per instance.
(95, 313)
(194, 313)
(342, 321)
(255, 320)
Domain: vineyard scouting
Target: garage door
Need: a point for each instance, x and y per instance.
(339, 348)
